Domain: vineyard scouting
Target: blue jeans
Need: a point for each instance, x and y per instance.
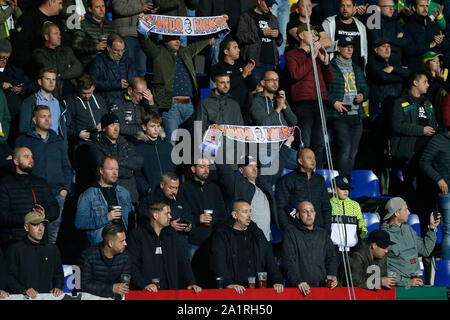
(178, 114)
(282, 12)
(260, 69)
(136, 54)
(444, 204)
(348, 131)
(192, 249)
(53, 227)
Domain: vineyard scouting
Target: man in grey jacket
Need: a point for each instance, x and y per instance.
(403, 257)
(219, 107)
(270, 107)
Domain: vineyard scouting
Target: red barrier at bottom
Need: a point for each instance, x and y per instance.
(262, 294)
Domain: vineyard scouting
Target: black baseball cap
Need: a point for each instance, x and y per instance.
(380, 42)
(343, 183)
(380, 237)
(247, 160)
(108, 119)
(345, 41)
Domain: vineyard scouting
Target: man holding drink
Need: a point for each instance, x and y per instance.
(241, 243)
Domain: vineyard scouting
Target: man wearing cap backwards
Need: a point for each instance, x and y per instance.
(308, 255)
(20, 192)
(174, 82)
(103, 203)
(402, 257)
(112, 144)
(259, 38)
(346, 25)
(350, 216)
(435, 163)
(345, 96)
(371, 252)
(34, 266)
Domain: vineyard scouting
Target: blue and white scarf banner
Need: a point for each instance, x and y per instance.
(247, 134)
(182, 26)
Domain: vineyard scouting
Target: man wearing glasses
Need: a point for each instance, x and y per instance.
(131, 105)
(112, 69)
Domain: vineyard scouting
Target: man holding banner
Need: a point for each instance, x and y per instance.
(174, 83)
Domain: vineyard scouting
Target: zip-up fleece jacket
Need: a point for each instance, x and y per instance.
(263, 113)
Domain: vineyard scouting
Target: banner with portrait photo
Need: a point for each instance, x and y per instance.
(248, 134)
(182, 26)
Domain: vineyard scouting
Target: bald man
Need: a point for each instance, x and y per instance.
(21, 192)
(270, 107)
(307, 254)
(300, 185)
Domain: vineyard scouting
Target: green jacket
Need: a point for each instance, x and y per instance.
(5, 117)
(360, 260)
(402, 257)
(164, 65)
(67, 66)
(4, 15)
(404, 124)
(336, 89)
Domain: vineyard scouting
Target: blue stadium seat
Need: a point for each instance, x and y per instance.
(69, 280)
(365, 183)
(204, 92)
(442, 278)
(282, 62)
(413, 221)
(277, 234)
(328, 175)
(439, 234)
(286, 171)
(372, 221)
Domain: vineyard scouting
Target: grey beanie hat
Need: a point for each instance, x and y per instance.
(5, 45)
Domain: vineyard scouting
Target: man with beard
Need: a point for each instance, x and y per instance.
(219, 107)
(206, 201)
(47, 83)
(22, 192)
(270, 107)
(346, 25)
(51, 160)
(242, 81)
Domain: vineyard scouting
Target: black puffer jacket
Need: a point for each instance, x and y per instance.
(18, 195)
(224, 254)
(129, 161)
(141, 248)
(294, 188)
(97, 276)
(307, 255)
(34, 265)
